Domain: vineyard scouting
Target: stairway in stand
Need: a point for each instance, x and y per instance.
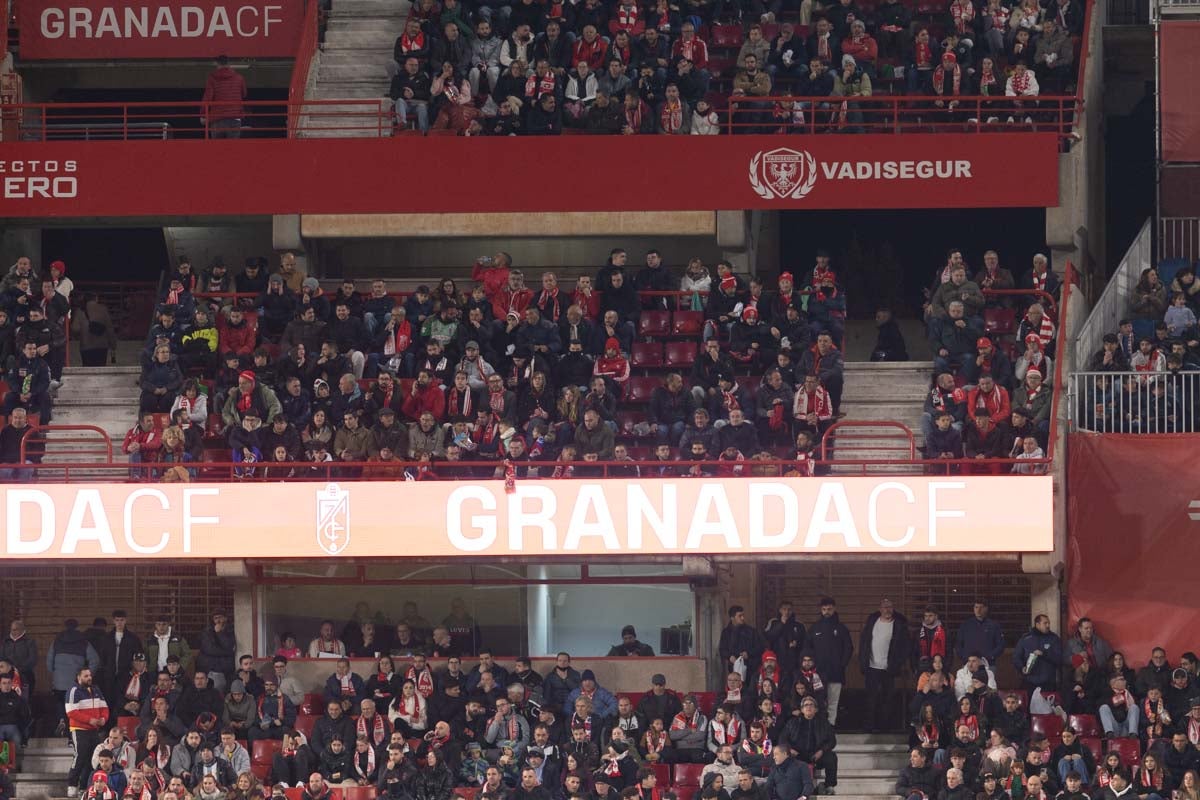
(44, 767)
(353, 64)
(868, 765)
(893, 392)
(106, 397)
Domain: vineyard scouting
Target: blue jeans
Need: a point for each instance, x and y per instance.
(1078, 765)
(17, 475)
(421, 108)
(669, 434)
(1113, 728)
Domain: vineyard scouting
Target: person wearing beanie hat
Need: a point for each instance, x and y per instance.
(989, 360)
(249, 395)
(967, 672)
(1034, 355)
(723, 308)
(604, 705)
(778, 302)
(630, 646)
(1034, 394)
(58, 274)
(749, 338)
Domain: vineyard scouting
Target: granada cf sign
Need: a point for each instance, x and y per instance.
(597, 173)
(900, 514)
(160, 29)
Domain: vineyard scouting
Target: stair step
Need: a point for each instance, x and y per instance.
(350, 91)
(351, 73)
(106, 370)
(887, 740)
(357, 56)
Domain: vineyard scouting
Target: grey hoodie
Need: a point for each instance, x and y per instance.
(485, 51)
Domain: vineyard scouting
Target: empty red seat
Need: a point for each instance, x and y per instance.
(1130, 750)
(999, 321)
(646, 354)
(313, 704)
(663, 773)
(466, 792)
(718, 65)
(1085, 725)
(687, 323)
(358, 793)
(686, 792)
(1094, 744)
(770, 30)
(261, 771)
(687, 775)
(1047, 725)
(264, 750)
(654, 323)
(640, 389)
(706, 702)
(305, 724)
(680, 354)
(727, 36)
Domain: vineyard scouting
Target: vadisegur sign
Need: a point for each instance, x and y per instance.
(540, 518)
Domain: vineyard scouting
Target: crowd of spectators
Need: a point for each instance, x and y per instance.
(155, 718)
(542, 381)
(1147, 372)
(992, 390)
(672, 66)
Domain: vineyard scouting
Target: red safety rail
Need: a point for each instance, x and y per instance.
(838, 438)
(306, 49)
(901, 114)
(362, 117)
(34, 443)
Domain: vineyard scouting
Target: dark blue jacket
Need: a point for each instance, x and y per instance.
(983, 637)
(1045, 670)
(790, 780)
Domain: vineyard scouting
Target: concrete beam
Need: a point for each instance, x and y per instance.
(571, 223)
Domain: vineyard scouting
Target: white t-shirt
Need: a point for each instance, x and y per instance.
(881, 641)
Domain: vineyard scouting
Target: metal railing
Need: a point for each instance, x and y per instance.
(362, 117)
(1169, 7)
(306, 49)
(1113, 303)
(1179, 237)
(902, 114)
(1135, 402)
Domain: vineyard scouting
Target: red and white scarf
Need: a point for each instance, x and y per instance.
(751, 747)
(462, 402)
(1045, 328)
(823, 46)
(133, 689)
(1020, 86)
(655, 741)
(671, 116)
(423, 679)
(408, 44)
(144, 794)
(683, 722)
(633, 116)
(924, 58)
(358, 759)
(939, 79)
(627, 17)
(347, 683)
(726, 732)
(1193, 730)
(987, 81)
(377, 732)
(962, 13)
(1122, 698)
(689, 48)
(496, 403)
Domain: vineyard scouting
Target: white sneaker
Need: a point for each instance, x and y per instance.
(992, 120)
(72, 791)
(973, 120)
(1011, 120)
(1029, 120)
(54, 385)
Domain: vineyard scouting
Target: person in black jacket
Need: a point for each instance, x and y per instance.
(739, 640)
(116, 655)
(790, 779)
(660, 702)
(785, 635)
(811, 738)
(218, 646)
(918, 780)
(832, 649)
(334, 723)
(198, 698)
(14, 719)
(410, 90)
(883, 651)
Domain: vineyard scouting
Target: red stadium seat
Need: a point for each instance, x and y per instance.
(770, 30)
(414, 744)
(687, 323)
(719, 65)
(1047, 725)
(680, 354)
(640, 389)
(706, 701)
(646, 354)
(686, 792)
(305, 724)
(663, 773)
(999, 321)
(128, 726)
(261, 771)
(654, 323)
(358, 793)
(1130, 750)
(264, 750)
(466, 792)
(626, 420)
(313, 704)
(687, 775)
(727, 36)
(1086, 725)
(294, 793)
(1094, 744)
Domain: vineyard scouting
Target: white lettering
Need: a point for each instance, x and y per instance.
(245, 29)
(189, 519)
(831, 494)
(87, 501)
(591, 497)
(18, 544)
(712, 495)
(129, 525)
(641, 510)
(543, 520)
(220, 22)
(935, 513)
(81, 23)
(270, 19)
(873, 514)
(191, 22)
(108, 24)
(137, 21)
(485, 524)
(786, 535)
(830, 169)
(164, 25)
(52, 23)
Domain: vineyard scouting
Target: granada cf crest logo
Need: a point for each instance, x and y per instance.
(333, 519)
(783, 173)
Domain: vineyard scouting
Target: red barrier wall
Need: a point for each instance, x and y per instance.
(1132, 549)
(1180, 95)
(446, 174)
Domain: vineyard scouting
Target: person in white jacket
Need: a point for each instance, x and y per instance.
(704, 120)
(962, 678)
(1022, 83)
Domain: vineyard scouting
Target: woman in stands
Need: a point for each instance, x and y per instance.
(1150, 296)
(1151, 781)
(447, 294)
(409, 712)
(384, 684)
(154, 749)
(318, 429)
(1189, 787)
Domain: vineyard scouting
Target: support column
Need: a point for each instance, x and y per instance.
(237, 573)
(285, 235)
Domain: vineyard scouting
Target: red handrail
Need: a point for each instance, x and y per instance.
(38, 435)
(831, 433)
(306, 48)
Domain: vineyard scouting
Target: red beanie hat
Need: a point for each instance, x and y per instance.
(612, 344)
(248, 375)
(729, 283)
(60, 266)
